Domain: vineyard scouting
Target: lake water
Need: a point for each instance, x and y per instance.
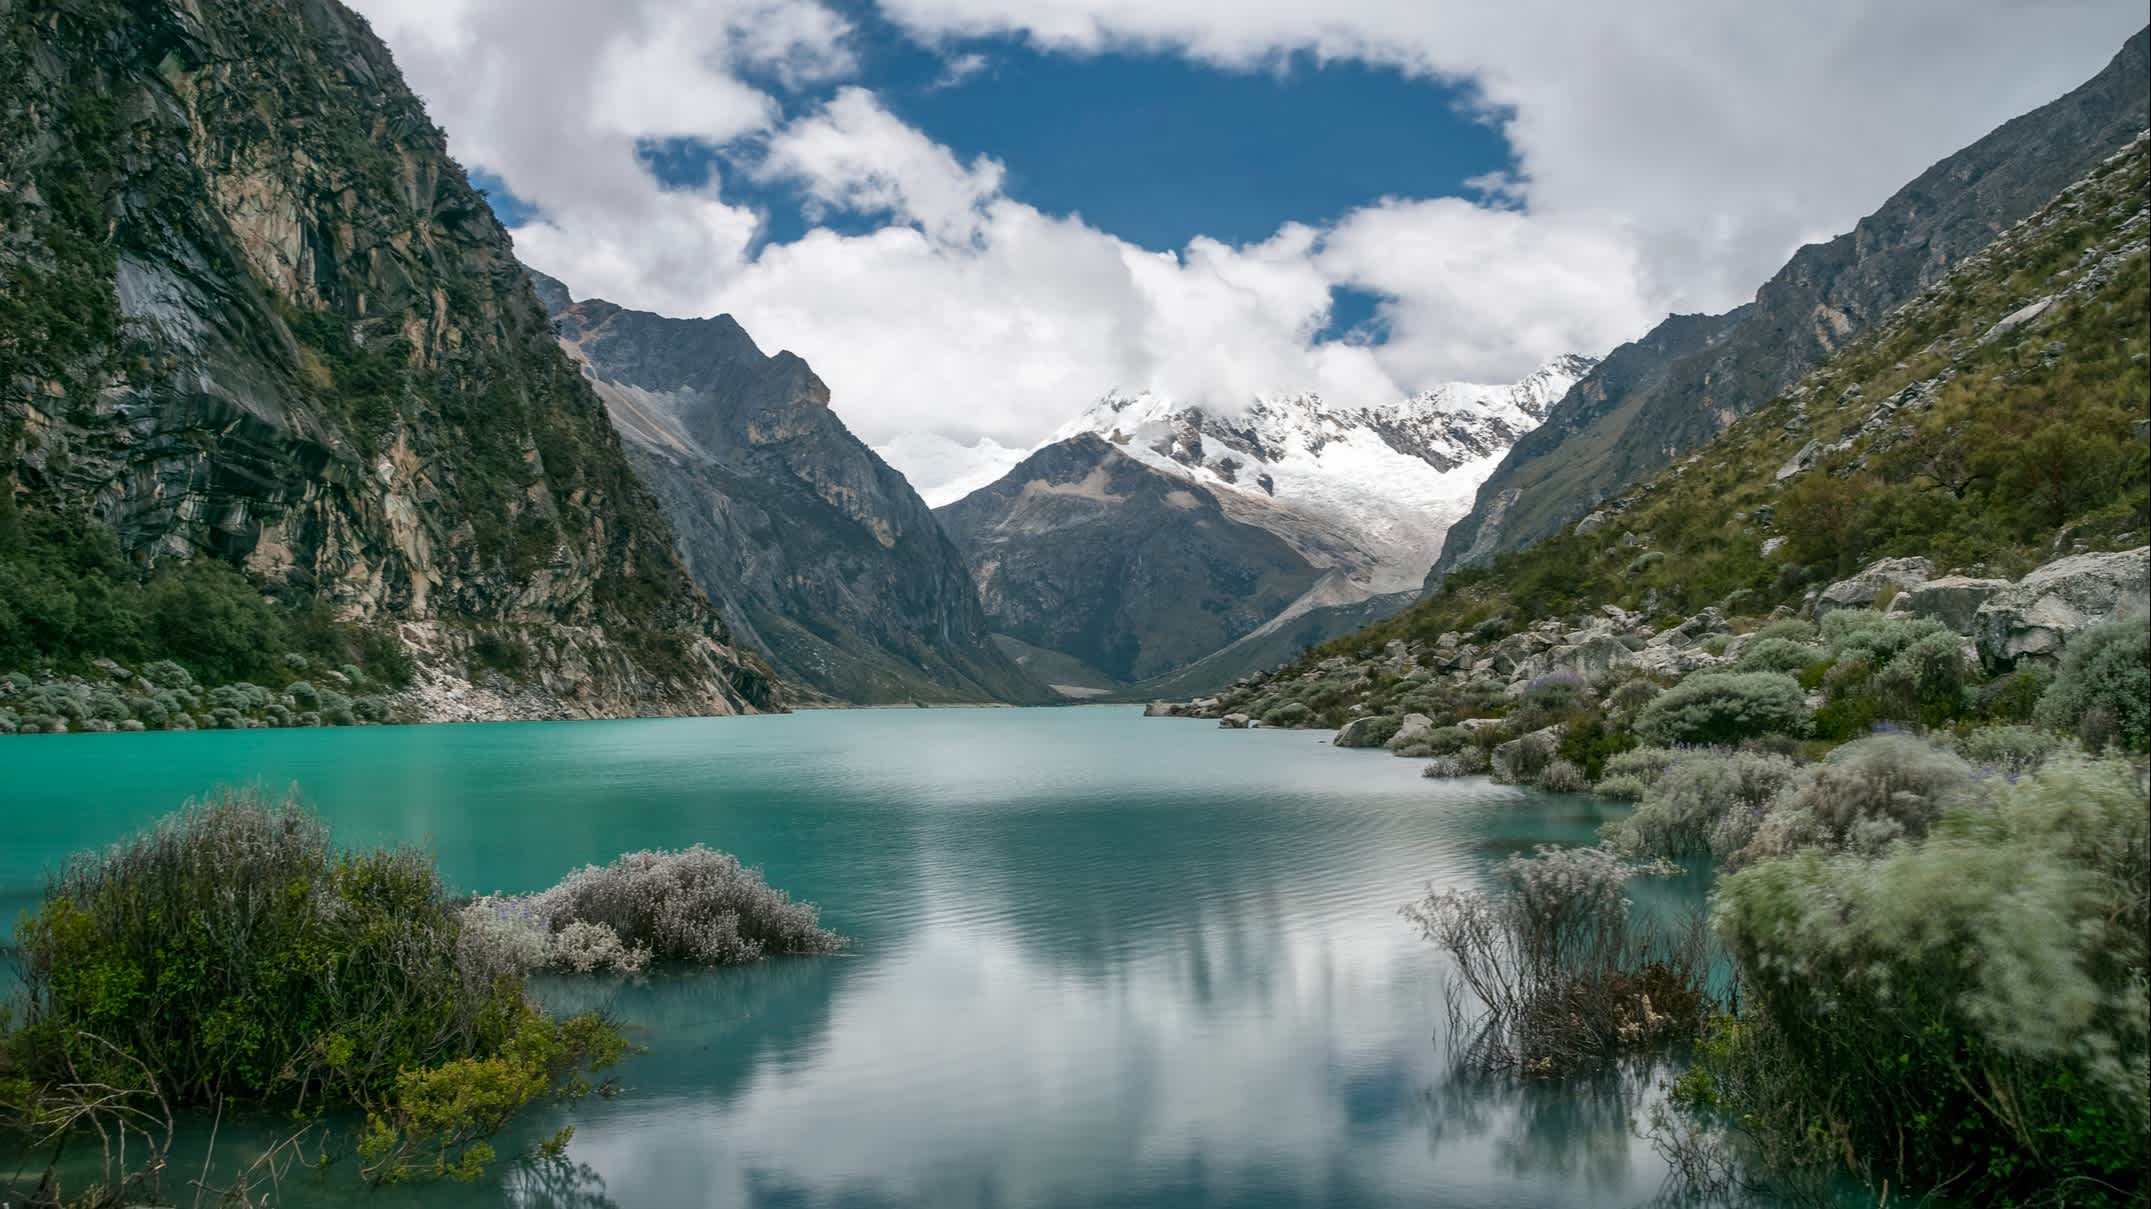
(1097, 960)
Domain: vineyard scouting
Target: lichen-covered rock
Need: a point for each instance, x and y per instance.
(1862, 590)
(1413, 729)
(1593, 656)
(2036, 616)
(1523, 757)
(1367, 732)
(1234, 721)
(1953, 600)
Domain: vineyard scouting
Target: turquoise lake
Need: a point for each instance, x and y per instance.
(1097, 959)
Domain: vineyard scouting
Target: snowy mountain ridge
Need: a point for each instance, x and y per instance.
(1367, 491)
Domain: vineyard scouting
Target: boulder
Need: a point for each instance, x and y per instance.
(1414, 728)
(1704, 624)
(1800, 461)
(2036, 616)
(1521, 758)
(1673, 661)
(1475, 725)
(1593, 656)
(1366, 732)
(1863, 589)
(1953, 600)
(1160, 709)
(1233, 721)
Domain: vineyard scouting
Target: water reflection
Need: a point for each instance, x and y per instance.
(1099, 961)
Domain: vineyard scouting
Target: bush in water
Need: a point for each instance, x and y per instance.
(1565, 976)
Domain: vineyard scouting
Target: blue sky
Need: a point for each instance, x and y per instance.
(1153, 147)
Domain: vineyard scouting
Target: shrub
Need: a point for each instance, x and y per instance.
(1878, 636)
(1291, 713)
(2011, 751)
(436, 1124)
(1966, 1012)
(1550, 698)
(151, 711)
(1464, 762)
(1864, 797)
(1564, 976)
(1702, 802)
(1787, 629)
(1775, 655)
(1590, 739)
(697, 905)
(2103, 689)
(1644, 764)
(276, 986)
(1445, 739)
(506, 935)
(303, 694)
(1562, 777)
(1723, 708)
(1632, 695)
(1928, 681)
(166, 674)
(2015, 696)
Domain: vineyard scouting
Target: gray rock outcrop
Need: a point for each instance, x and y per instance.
(1413, 729)
(2035, 617)
(1953, 600)
(1861, 591)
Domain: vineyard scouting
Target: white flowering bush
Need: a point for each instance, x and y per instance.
(1463, 762)
(583, 947)
(698, 905)
(1703, 801)
(1862, 798)
(1561, 776)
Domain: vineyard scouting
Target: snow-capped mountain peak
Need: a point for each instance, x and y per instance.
(1370, 488)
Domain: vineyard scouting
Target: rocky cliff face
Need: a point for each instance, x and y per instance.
(1680, 385)
(1134, 572)
(1168, 548)
(819, 554)
(251, 311)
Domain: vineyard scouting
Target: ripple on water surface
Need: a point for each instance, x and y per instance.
(1099, 959)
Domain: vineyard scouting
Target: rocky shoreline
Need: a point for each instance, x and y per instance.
(1537, 704)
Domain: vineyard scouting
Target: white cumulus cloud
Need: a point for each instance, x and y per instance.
(1669, 154)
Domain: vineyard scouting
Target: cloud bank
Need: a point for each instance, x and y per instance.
(1669, 154)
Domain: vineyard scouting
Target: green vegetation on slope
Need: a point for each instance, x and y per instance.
(2006, 449)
